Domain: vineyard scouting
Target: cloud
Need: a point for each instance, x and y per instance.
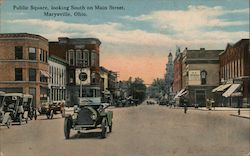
(138, 52)
(192, 19)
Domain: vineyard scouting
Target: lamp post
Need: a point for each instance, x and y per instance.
(82, 76)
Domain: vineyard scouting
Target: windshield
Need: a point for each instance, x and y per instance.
(1, 100)
(9, 100)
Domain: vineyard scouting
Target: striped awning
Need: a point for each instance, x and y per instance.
(44, 73)
(179, 93)
(221, 88)
(231, 90)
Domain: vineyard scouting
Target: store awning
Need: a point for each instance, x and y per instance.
(236, 94)
(44, 73)
(221, 88)
(215, 89)
(183, 93)
(224, 87)
(231, 90)
(179, 93)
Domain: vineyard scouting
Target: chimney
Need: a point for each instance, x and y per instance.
(202, 49)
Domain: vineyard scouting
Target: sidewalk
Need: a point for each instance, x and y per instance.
(244, 112)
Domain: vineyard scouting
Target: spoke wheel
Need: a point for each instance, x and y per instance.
(8, 123)
(104, 127)
(67, 127)
(51, 114)
(20, 119)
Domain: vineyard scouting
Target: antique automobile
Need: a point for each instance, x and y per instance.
(89, 115)
(54, 107)
(13, 104)
(29, 106)
(5, 118)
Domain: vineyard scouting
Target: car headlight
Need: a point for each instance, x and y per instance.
(76, 109)
(93, 117)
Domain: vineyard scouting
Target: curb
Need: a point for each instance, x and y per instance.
(240, 116)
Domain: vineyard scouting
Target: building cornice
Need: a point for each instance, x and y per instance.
(22, 36)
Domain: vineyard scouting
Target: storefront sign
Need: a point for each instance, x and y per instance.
(194, 77)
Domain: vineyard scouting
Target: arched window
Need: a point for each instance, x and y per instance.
(203, 77)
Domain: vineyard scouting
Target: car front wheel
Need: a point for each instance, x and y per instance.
(67, 127)
(104, 127)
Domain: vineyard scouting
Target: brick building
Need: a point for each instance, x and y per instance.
(234, 89)
(82, 56)
(24, 65)
(200, 74)
(177, 82)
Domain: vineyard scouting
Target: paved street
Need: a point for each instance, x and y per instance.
(146, 130)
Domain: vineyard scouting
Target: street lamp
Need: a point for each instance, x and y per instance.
(82, 76)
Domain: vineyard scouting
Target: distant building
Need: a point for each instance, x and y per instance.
(177, 81)
(169, 76)
(234, 89)
(57, 81)
(82, 56)
(200, 74)
(24, 65)
(108, 83)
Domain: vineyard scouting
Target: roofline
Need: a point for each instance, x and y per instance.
(19, 35)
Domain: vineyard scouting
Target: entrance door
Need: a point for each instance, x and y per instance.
(200, 97)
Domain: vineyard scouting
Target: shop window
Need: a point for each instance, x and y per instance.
(32, 74)
(203, 77)
(18, 74)
(32, 53)
(18, 53)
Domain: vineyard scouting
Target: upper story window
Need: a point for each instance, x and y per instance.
(18, 53)
(86, 57)
(18, 74)
(41, 55)
(32, 53)
(93, 59)
(203, 77)
(32, 74)
(79, 58)
(45, 56)
(71, 58)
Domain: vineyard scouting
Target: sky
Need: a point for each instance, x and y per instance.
(137, 38)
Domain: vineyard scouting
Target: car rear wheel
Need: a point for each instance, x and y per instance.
(8, 122)
(51, 114)
(67, 127)
(104, 127)
(110, 127)
(20, 119)
(35, 115)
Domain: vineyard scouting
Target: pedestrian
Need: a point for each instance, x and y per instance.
(185, 108)
(239, 111)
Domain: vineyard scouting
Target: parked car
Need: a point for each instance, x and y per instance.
(29, 106)
(5, 118)
(56, 107)
(13, 104)
(88, 115)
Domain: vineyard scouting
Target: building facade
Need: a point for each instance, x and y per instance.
(200, 74)
(235, 74)
(82, 56)
(177, 82)
(57, 81)
(169, 76)
(24, 65)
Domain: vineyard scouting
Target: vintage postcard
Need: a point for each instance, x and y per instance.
(124, 78)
